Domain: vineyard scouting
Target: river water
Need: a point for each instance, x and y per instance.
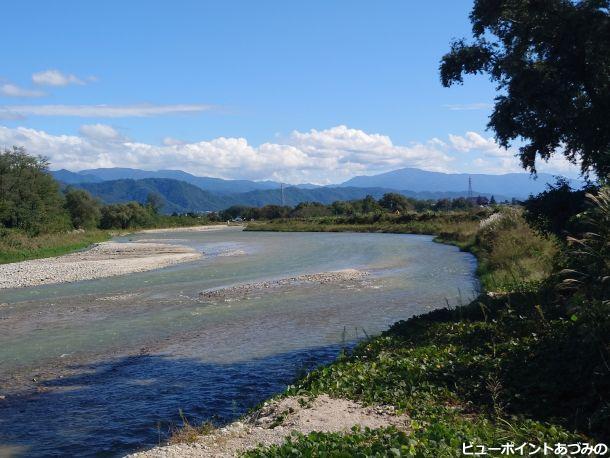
(104, 367)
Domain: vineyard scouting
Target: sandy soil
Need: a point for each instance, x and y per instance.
(278, 419)
(105, 259)
(321, 278)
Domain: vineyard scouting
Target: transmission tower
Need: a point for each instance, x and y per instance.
(283, 197)
(470, 195)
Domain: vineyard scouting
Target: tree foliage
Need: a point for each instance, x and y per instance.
(125, 216)
(394, 202)
(553, 211)
(155, 202)
(550, 60)
(29, 196)
(83, 208)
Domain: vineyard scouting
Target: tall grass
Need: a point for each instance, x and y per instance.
(16, 246)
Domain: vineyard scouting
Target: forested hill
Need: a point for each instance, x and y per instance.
(179, 196)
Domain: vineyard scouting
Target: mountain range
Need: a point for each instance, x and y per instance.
(184, 192)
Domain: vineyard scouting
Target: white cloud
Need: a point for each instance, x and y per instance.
(12, 90)
(56, 78)
(357, 151)
(473, 141)
(100, 132)
(319, 156)
(171, 141)
(98, 111)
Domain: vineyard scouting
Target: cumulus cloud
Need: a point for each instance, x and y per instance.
(171, 141)
(100, 132)
(12, 90)
(472, 141)
(98, 111)
(319, 156)
(56, 78)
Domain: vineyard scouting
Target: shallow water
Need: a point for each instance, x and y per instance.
(115, 359)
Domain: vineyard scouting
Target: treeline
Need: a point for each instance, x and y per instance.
(32, 202)
(389, 203)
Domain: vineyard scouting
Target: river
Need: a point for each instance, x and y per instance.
(103, 367)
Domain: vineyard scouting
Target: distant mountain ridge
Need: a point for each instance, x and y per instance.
(205, 183)
(519, 185)
(185, 192)
(181, 197)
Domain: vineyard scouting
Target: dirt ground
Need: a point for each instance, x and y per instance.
(278, 419)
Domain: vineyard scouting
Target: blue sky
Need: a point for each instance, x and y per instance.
(310, 91)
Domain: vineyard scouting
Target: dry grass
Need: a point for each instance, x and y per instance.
(187, 433)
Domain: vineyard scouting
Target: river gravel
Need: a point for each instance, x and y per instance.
(321, 278)
(105, 259)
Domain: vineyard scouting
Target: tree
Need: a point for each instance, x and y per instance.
(482, 200)
(84, 210)
(29, 196)
(492, 201)
(392, 201)
(341, 207)
(551, 62)
(554, 210)
(461, 203)
(310, 210)
(124, 216)
(369, 205)
(155, 202)
(442, 205)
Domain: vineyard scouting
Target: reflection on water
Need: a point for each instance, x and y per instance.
(114, 359)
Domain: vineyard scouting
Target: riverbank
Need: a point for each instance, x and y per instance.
(506, 368)
(204, 228)
(509, 253)
(16, 246)
(274, 422)
(104, 259)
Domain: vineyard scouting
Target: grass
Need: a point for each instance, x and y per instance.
(16, 246)
(492, 372)
(188, 433)
(409, 223)
(510, 367)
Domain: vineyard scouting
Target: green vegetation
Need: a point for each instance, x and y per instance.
(525, 366)
(551, 64)
(38, 220)
(17, 246)
(30, 200)
(368, 443)
(366, 207)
